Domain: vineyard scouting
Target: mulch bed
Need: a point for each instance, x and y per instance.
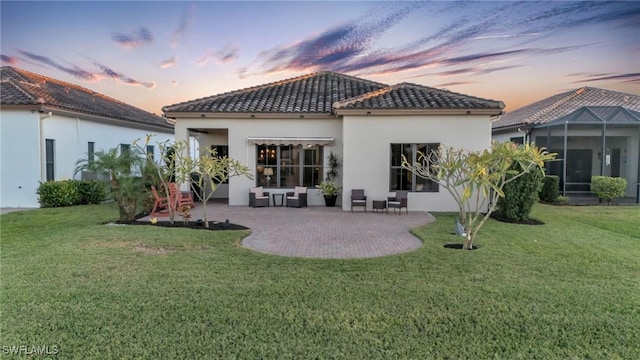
(459, 246)
(529, 221)
(196, 225)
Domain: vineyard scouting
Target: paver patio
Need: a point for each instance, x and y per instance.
(320, 232)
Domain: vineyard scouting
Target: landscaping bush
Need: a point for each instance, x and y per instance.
(91, 191)
(58, 193)
(550, 189)
(519, 196)
(608, 188)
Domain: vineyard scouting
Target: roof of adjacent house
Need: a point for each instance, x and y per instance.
(562, 104)
(21, 87)
(325, 91)
(598, 115)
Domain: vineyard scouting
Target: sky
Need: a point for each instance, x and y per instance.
(156, 53)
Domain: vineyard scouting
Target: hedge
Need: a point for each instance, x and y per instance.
(550, 189)
(608, 188)
(71, 192)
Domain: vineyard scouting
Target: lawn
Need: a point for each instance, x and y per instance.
(569, 289)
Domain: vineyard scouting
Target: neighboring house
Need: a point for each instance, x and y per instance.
(284, 132)
(47, 125)
(596, 130)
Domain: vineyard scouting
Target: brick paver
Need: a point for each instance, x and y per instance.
(321, 232)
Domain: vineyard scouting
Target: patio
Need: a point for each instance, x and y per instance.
(318, 231)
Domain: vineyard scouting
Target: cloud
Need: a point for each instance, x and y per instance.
(11, 60)
(350, 47)
(225, 55)
(454, 83)
(73, 70)
(169, 63)
(183, 25)
(135, 39)
(628, 77)
(110, 73)
(334, 47)
(84, 74)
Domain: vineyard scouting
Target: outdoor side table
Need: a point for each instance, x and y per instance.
(281, 196)
(379, 205)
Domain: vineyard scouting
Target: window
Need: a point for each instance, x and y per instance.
(50, 158)
(124, 148)
(91, 151)
(287, 166)
(401, 179)
(517, 140)
(150, 152)
(221, 151)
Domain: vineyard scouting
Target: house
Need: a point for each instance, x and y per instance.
(46, 125)
(596, 130)
(284, 132)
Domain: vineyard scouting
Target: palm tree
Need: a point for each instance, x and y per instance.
(127, 175)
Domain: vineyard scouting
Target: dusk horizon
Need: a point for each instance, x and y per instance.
(153, 54)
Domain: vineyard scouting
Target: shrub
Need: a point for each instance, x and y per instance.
(608, 188)
(58, 193)
(550, 188)
(520, 195)
(91, 191)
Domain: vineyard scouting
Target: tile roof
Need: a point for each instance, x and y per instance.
(311, 93)
(562, 104)
(598, 115)
(20, 87)
(412, 96)
(325, 91)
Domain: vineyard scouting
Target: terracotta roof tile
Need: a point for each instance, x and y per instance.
(562, 104)
(20, 87)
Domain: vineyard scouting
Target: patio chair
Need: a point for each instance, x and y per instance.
(179, 198)
(398, 201)
(358, 198)
(160, 204)
(258, 197)
(297, 198)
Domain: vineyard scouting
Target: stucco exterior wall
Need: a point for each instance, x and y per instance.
(73, 134)
(240, 149)
(20, 161)
(20, 131)
(367, 160)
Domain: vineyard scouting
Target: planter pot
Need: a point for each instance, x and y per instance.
(330, 200)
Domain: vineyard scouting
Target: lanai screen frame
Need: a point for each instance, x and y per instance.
(586, 117)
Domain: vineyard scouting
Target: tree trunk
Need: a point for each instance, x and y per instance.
(468, 241)
(204, 214)
(127, 209)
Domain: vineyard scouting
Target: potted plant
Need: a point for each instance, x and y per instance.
(328, 187)
(330, 192)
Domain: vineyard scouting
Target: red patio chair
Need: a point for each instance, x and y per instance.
(160, 205)
(178, 198)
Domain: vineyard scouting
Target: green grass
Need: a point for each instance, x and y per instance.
(569, 289)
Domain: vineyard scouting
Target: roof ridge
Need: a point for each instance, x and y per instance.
(70, 85)
(408, 84)
(401, 85)
(273, 84)
(23, 91)
(362, 97)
